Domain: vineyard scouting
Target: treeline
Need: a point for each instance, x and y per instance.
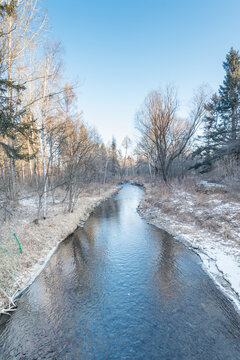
(170, 146)
(44, 142)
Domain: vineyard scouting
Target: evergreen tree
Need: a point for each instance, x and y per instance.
(13, 123)
(229, 97)
(114, 158)
(221, 133)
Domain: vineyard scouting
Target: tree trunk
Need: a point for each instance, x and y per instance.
(105, 172)
(149, 168)
(44, 172)
(6, 173)
(234, 131)
(12, 179)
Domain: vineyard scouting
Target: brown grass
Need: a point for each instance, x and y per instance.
(38, 240)
(190, 204)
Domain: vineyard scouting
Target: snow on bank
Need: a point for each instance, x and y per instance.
(207, 222)
(39, 242)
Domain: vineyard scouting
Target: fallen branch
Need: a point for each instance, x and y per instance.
(11, 304)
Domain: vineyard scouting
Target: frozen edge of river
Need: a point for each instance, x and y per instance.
(209, 264)
(37, 269)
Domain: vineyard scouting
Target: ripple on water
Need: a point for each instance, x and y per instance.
(122, 289)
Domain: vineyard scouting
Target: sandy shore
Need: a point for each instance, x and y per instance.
(206, 217)
(39, 242)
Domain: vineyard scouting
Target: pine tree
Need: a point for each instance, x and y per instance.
(13, 125)
(229, 98)
(114, 158)
(221, 133)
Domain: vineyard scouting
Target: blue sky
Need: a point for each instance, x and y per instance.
(119, 50)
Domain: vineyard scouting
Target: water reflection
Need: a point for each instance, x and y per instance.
(122, 289)
(167, 279)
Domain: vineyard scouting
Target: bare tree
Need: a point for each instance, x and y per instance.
(126, 144)
(166, 135)
(77, 152)
(50, 71)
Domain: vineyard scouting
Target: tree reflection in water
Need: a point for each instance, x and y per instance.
(122, 289)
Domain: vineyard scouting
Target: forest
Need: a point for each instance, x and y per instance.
(45, 143)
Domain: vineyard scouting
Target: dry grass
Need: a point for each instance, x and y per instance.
(206, 218)
(213, 209)
(16, 269)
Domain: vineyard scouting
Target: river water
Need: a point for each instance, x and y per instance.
(122, 289)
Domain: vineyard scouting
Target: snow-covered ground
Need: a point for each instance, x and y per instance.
(206, 217)
(17, 271)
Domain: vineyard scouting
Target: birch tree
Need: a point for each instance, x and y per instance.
(20, 26)
(50, 71)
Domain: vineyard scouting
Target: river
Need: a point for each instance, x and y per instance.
(122, 289)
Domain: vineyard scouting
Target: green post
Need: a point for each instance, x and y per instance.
(18, 243)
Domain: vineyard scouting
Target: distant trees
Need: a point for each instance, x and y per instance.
(164, 136)
(114, 163)
(126, 143)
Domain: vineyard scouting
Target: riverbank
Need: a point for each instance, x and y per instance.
(206, 217)
(39, 241)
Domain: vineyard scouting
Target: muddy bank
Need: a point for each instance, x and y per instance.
(39, 242)
(206, 218)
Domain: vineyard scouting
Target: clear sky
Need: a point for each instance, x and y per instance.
(122, 49)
